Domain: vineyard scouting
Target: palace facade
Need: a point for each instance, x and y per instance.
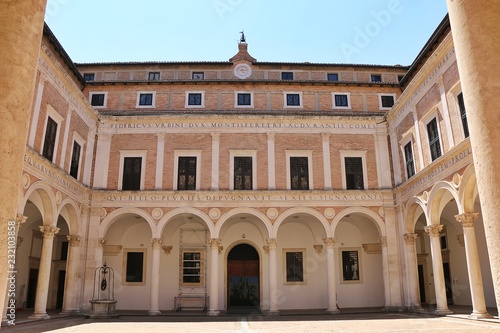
(241, 184)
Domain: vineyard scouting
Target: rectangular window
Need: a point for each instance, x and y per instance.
(463, 115)
(350, 266)
(293, 99)
(146, 99)
(243, 173)
(299, 173)
(194, 98)
(186, 178)
(433, 135)
(135, 267)
(376, 78)
(89, 76)
(294, 266)
(192, 267)
(410, 165)
(198, 75)
(341, 101)
(244, 99)
(287, 75)
(131, 173)
(332, 77)
(97, 99)
(75, 160)
(386, 101)
(354, 173)
(49, 142)
(154, 76)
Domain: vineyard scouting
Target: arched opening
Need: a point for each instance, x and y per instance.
(243, 278)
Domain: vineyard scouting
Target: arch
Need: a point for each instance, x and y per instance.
(467, 191)
(115, 215)
(300, 210)
(379, 223)
(46, 205)
(436, 202)
(243, 210)
(183, 210)
(410, 210)
(72, 212)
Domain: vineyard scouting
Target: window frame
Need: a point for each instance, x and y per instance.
(341, 264)
(144, 106)
(242, 153)
(55, 116)
(201, 267)
(187, 105)
(79, 140)
(354, 153)
(144, 266)
(285, 266)
(299, 153)
(380, 104)
(87, 74)
(372, 76)
(285, 100)
(284, 74)
(347, 94)
(237, 93)
(411, 161)
(464, 127)
(105, 102)
(196, 76)
(328, 77)
(132, 153)
(429, 144)
(156, 76)
(186, 153)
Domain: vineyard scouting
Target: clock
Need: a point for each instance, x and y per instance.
(242, 71)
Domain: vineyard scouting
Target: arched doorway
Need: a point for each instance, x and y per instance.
(243, 278)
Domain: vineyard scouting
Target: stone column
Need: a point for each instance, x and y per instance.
(326, 161)
(271, 160)
(385, 273)
(474, 26)
(70, 304)
(473, 266)
(273, 277)
(214, 277)
(437, 268)
(42, 287)
(331, 276)
(154, 310)
(411, 272)
(20, 37)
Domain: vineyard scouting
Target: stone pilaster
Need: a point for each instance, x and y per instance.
(330, 276)
(214, 277)
(273, 277)
(412, 272)
(156, 244)
(70, 303)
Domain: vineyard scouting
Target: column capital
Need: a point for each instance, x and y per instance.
(433, 230)
(467, 219)
(161, 136)
(383, 240)
(214, 242)
(74, 240)
(329, 242)
(156, 243)
(49, 231)
(102, 242)
(215, 136)
(410, 238)
(270, 136)
(325, 136)
(272, 243)
(20, 219)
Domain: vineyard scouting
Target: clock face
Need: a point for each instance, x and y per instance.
(242, 71)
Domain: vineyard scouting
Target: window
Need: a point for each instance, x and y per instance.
(299, 173)
(64, 250)
(134, 266)
(400, 77)
(386, 101)
(195, 99)
(186, 176)
(243, 173)
(350, 265)
(294, 265)
(341, 101)
(132, 171)
(433, 134)
(292, 99)
(376, 78)
(287, 75)
(354, 173)
(98, 99)
(50, 139)
(410, 166)
(75, 160)
(463, 115)
(244, 99)
(145, 99)
(192, 268)
(89, 76)
(198, 75)
(154, 76)
(332, 77)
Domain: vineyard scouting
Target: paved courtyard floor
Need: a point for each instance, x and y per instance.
(373, 322)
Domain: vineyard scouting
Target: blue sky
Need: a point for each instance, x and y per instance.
(385, 32)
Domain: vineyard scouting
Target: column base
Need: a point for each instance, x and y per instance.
(477, 316)
(333, 311)
(394, 309)
(213, 313)
(71, 312)
(154, 313)
(39, 316)
(415, 308)
(273, 313)
(442, 312)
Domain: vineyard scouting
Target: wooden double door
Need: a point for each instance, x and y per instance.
(243, 278)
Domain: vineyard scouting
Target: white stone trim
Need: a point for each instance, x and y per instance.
(65, 139)
(380, 101)
(242, 153)
(36, 112)
(425, 120)
(299, 153)
(454, 92)
(271, 162)
(105, 93)
(348, 107)
(301, 104)
(153, 102)
(52, 113)
(304, 266)
(236, 105)
(78, 139)
(353, 153)
(187, 106)
(407, 138)
(187, 153)
(144, 267)
(89, 152)
(160, 156)
(132, 153)
(360, 265)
